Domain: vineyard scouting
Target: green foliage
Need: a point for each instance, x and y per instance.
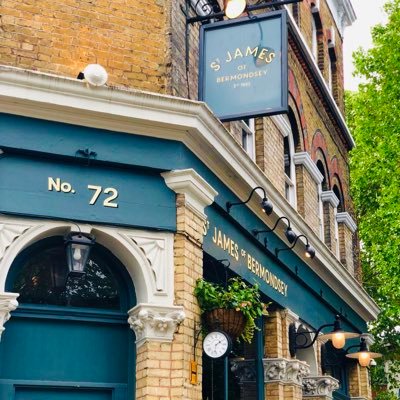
(238, 296)
(374, 118)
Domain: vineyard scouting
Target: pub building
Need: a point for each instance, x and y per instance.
(147, 144)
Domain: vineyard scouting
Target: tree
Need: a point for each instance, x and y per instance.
(373, 114)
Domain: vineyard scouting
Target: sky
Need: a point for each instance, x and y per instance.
(369, 13)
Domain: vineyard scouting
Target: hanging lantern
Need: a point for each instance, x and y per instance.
(78, 246)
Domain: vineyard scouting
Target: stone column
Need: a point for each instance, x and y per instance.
(8, 303)
(347, 227)
(308, 178)
(330, 203)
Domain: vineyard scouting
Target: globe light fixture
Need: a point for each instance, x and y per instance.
(234, 8)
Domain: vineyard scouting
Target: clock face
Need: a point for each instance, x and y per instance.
(217, 344)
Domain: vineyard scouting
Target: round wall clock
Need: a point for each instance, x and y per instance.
(217, 344)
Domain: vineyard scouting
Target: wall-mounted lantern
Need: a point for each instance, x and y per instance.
(363, 355)
(266, 205)
(78, 246)
(338, 336)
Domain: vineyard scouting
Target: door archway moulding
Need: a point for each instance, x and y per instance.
(147, 256)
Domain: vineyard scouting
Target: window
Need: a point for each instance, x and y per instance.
(332, 71)
(290, 142)
(43, 279)
(323, 186)
(340, 208)
(248, 136)
(314, 39)
(317, 43)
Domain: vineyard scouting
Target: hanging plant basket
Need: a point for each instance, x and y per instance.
(228, 320)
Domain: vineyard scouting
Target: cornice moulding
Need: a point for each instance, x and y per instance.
(330, 196)
(282, 124)
(345, 218)
(304, 159)
(198, 192)
(49, 97)
(343, 13)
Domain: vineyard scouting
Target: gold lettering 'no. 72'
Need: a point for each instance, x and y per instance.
(58, 185)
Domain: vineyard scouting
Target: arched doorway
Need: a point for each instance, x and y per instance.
(69, 338)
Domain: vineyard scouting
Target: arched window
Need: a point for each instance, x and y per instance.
(314, 39)
(290, 142)
(317, 44)
(308, 355)
(340, 208)
(323, 186)
(338, 192)
(42, 278)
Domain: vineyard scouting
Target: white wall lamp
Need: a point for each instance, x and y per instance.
(363, 355)
(94, 74)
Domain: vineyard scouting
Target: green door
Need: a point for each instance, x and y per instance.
(69, 339)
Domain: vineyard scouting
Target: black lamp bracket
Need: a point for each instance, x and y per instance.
(294, 336)
(277, 251)
(207, 9)
(255, 232)
(229, 205)
(362, 346)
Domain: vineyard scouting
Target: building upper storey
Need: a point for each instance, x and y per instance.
(142, 45)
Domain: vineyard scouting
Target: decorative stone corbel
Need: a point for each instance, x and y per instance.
(285, 371)
(319, 386)
(8, 303)
(198, 192)
(155, 323)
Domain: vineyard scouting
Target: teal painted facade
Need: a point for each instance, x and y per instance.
(143, 159)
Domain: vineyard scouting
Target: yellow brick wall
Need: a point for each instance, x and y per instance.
(346, 247)
(307, 198)
(359, 382)
(129, 38)
(269, 152)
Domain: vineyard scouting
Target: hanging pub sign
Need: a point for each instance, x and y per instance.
(243, 66)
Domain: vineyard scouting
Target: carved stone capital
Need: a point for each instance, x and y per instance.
(8, 303)
(319, 386)
(155, 323)
(244, 370)
(285, 371)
